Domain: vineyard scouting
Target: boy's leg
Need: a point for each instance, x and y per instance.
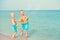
(14, 34)
(21, 35)
(26, 33)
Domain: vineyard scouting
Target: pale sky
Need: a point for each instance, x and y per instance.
(30, 4)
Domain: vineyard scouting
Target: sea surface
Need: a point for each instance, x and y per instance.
(43, 24)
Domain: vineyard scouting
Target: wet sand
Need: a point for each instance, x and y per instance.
(5, 37)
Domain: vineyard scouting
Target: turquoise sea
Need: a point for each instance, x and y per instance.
(43, 24)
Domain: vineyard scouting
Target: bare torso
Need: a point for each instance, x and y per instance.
(13, 21)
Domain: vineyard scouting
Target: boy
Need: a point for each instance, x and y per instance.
(24, 23)
(14, 27)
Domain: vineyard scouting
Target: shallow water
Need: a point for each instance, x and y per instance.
(44, 24)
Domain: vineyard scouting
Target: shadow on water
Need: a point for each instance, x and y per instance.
(32, 32)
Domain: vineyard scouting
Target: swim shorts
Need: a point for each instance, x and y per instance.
(25, 26)
(14, 28)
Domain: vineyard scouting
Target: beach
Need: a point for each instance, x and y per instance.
(43, 24)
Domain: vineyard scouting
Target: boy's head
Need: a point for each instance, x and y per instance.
(22, 12)
(12, 14)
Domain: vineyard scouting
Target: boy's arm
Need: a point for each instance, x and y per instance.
(17, 20)
(28, 17)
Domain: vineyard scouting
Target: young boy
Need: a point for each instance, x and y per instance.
(24, 23)
(14, 27)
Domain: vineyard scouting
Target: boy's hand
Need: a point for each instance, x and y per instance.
(17, 25)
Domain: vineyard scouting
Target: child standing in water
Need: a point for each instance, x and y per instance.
(14, 27)
(24, 23)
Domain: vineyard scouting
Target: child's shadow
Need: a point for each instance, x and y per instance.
(32, 32)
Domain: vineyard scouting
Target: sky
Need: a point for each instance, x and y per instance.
(30, 4)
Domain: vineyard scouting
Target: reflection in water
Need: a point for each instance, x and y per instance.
(23, 38)
(13, 38)
(26, 38)
(20, 38)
